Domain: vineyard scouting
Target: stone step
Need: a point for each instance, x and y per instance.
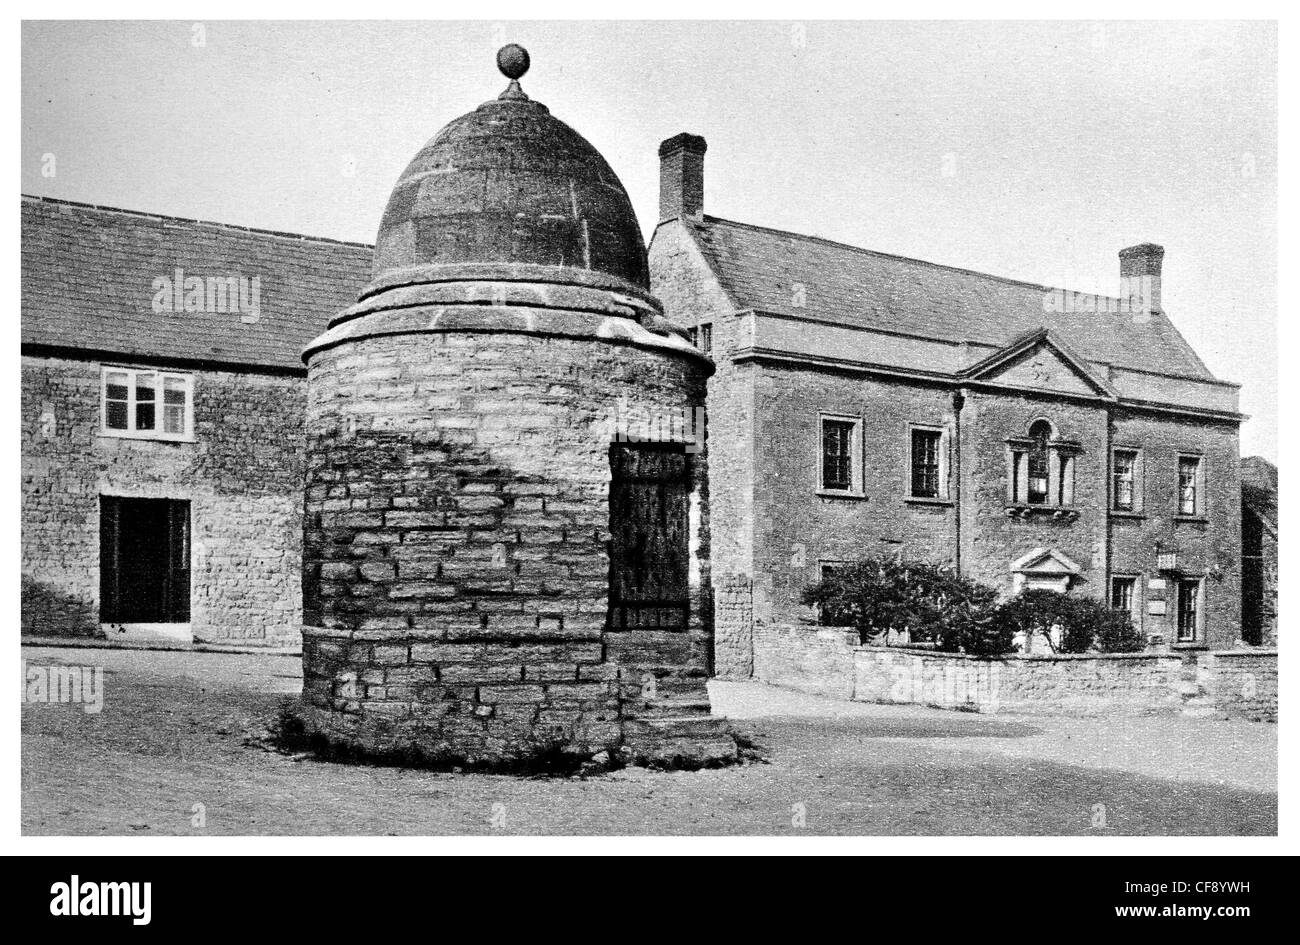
(673, 707)
(674, 726)
(682, 742)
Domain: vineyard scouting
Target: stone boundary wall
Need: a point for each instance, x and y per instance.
(818, 660)
(1243, 683)
(1076, 685)
(828, 661)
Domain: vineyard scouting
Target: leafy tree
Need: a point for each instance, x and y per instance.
(1086, 623)
(930, 601)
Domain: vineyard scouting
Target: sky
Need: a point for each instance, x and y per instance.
(1030, 150)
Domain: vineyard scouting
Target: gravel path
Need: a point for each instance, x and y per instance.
(176, 727)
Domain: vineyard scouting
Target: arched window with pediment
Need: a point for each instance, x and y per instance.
(1040, 467)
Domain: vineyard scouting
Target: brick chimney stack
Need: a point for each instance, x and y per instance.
(681, 177)
(1139, 276)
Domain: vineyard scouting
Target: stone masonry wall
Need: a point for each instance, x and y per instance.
(691, 296)
(457, 564)
(1243, 683)
(733, 622)
(797, 528)
(992, 539)
(818, 660)
(242, 477)
(828, 661)
(1075, 685)
(1208, 545)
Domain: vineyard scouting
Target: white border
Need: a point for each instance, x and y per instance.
(722, 9)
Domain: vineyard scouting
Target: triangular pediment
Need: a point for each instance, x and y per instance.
(1045, 561)
(1041, 361)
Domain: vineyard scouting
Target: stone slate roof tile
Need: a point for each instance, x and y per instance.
(87, 283)
(761, 269)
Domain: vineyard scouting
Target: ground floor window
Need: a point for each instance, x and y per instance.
(1189, 605)
(1121, 593)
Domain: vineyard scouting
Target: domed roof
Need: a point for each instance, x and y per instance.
(509, 183)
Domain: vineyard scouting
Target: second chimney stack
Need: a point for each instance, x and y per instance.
(681, 177)
(1139, 275)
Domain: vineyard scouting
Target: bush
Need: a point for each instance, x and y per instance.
(977, 632)
(932, 602)
(1087, 624)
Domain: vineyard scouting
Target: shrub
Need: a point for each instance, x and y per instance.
(1086, 623)
(976, 631)
(1116, 634)
(932, 602)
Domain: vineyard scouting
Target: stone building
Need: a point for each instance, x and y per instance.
(492, 571)
(163, 396)
(469, 376)
(869, 404)
(1258, 551)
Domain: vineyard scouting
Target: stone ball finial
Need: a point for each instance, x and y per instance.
(513, 61)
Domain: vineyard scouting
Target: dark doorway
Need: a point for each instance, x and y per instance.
(1252, 577)
(649, 518)
(144, 560)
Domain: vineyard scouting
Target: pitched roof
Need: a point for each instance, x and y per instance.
(762, 269)
(88, 282)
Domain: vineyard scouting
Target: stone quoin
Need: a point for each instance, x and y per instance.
(489, 573)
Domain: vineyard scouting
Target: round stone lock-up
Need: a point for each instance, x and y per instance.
(505, 549)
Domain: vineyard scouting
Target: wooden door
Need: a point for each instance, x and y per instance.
(650, 526)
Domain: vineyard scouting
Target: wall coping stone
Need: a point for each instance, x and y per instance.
(1016, 657)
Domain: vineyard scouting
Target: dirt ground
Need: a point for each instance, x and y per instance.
(178, 738)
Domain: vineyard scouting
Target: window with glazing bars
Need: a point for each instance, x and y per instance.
(925, 463)
(1121, 593)
(1123, 493)
(837, 454)
(1189, 470)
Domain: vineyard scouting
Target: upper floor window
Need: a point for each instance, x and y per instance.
(840, 469)
(1124, 496)
(927, 463)
(1039, 433)
(1041, 467)
(1191, 486)
(147, 404)
(705, 338)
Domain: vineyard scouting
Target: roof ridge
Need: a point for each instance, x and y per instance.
(282, 234)
(909, 259)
